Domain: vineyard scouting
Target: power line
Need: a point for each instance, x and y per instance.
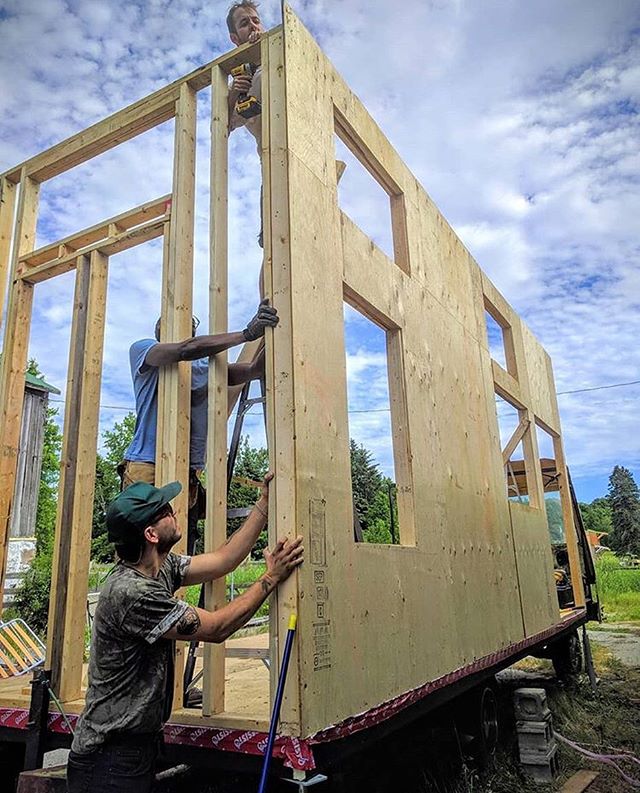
(597, 388)
(131, 409)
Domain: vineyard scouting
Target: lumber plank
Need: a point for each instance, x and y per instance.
(174, 388)
(401, 441)
(14, 359)
(507, 386)
(68, 466)
(532, 468)
(74, 243)
(579, 782)
(8, 193)
(213, 700)
(110, 245)
(515, 439)
(373, 289)
(73, 537)
(281, 424)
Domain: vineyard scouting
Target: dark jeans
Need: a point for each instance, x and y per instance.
(123, 764)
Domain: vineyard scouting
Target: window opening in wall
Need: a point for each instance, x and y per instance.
(362, 198)
(549, 472)
(368, 194)
(373, 476)
(496, 340)
(555, 518)
(500, 339)
(513, 425)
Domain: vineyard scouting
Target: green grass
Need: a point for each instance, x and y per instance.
(243, 576)
(619, 589)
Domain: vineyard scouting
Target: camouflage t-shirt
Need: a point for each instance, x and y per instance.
(131, 666)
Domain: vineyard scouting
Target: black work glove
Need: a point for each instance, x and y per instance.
(266, 317)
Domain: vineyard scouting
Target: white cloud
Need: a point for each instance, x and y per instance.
(521, 120)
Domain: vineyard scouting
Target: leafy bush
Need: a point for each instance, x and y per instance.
(101, 549)
(31, 601)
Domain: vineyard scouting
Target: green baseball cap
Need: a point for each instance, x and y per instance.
(129, 514)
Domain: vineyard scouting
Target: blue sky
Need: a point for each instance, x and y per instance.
(520, 119)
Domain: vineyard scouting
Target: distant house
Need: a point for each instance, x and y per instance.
(22, 528)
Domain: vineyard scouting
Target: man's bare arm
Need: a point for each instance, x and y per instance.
(209, 566)
(216, 626)
(192, 349)
(203, 346)
(238, 373)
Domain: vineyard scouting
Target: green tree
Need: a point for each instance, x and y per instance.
(597, 517)
(116, 442)
(553, 508)
(251, 463)
(366, 482)
(624, 500)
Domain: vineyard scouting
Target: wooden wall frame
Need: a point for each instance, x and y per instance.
(465, 542)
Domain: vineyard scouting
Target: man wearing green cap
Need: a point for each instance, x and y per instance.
(137, 620)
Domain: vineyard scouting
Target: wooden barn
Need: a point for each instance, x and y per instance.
(383, 630)
(22, 528)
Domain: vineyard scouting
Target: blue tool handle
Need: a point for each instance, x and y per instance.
(275, 716)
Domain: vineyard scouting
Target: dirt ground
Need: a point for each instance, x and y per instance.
(621, 639)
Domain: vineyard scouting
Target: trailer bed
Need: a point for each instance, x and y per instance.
(247, 687)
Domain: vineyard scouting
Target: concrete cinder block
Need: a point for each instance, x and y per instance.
(530, 704)
(541, 767)
(535, 736)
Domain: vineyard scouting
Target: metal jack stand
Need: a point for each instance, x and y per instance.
(588, 660)
(300, 779)
(38, 716)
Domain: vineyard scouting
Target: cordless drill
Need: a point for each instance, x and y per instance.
(246, 106)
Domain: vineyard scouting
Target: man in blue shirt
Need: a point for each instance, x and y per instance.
(146, 356)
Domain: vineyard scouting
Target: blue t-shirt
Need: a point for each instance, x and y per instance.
(145, 388)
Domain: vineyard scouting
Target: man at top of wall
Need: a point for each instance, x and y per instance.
(146, 356)
(245, 27)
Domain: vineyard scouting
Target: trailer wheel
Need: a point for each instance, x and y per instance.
(479, 724)
(566, 656)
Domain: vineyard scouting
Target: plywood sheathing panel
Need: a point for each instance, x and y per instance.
(541, 383)
(535, 569)
(464, 539)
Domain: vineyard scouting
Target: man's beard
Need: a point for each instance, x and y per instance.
(164, 546)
